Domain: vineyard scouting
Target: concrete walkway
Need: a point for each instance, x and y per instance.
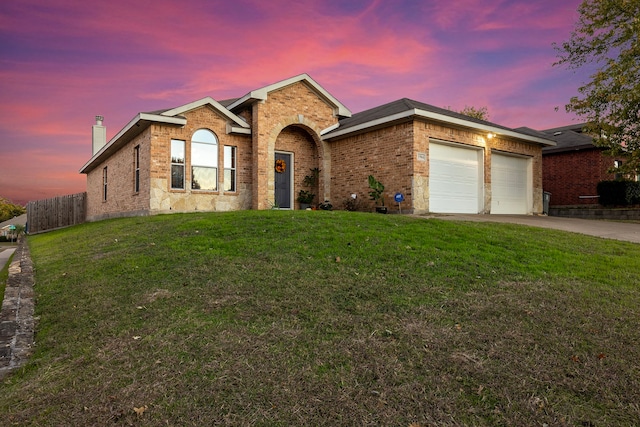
(616, 230)
(5, 254)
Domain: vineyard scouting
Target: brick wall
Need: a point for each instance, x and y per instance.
(391, 155)
(155, 194)
(121, 196)
(571, 174)
(298, 141)
(296, 106)
(385, 153)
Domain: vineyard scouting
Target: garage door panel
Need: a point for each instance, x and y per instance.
(509, 184)
(454, 175)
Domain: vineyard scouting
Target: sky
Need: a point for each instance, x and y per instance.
(62, 62)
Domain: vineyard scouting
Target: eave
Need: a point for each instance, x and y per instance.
(134, 128)
(262, 94)
(428, 115)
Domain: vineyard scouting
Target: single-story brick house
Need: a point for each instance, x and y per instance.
(572, 169)
(254, 152)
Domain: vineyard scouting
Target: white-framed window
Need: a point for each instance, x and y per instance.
(104, 184)
(136, 169)
(177, 164)
(204, 160)
(229, 168)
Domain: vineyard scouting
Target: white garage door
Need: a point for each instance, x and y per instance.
(454, 179)
(509, 185)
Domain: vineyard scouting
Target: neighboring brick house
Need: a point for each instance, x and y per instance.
(573, 168)
(255, 151)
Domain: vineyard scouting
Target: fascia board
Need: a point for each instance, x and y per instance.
(484, 128)
(441, 118)
(255, 95)
(141, 117)
(373, 123)
(329, 129)
(239, 130)
(262, 94)
(207, 101)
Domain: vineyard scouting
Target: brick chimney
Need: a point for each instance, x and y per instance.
(99, 134)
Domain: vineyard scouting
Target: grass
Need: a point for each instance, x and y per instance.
(329, 318)
(4, 274)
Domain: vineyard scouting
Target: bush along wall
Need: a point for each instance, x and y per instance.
(619, 193)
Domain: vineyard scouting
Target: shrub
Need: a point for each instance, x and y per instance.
(620, 193)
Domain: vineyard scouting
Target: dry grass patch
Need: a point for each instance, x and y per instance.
(248, 319)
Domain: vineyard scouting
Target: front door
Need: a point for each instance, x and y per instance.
(283, 172)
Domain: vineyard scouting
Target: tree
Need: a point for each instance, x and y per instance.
(607, 35)
(481, 113)
(8, 210)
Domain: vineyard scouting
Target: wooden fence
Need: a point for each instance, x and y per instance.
(58, 212)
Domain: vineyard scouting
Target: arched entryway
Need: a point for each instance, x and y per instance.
(296, 156)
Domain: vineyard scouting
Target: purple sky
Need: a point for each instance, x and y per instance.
(64, 61)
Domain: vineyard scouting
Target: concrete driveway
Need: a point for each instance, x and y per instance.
(626, 231)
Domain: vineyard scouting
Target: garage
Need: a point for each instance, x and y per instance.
(510, 184)
(455, 178)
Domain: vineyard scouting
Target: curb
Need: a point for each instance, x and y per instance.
(17, 323)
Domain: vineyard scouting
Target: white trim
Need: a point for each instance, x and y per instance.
(329, 129)
(486, 128)
(135, 121)
(207, 101)
(261, 94)
(235, 129)
(373, 123)
(442, 118)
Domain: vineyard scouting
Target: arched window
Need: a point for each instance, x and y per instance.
(204, 160)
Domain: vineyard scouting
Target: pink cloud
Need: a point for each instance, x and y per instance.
(65, 61)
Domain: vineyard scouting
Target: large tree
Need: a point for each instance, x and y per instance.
(607, 37)
(8, 210)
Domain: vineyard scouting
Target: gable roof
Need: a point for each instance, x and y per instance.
(171, 116)
(261, 94)
(407, 109)
(568, 138)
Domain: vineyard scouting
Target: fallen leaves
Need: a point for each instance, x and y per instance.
(141, 410)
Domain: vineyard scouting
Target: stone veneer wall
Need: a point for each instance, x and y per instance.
(165, 199)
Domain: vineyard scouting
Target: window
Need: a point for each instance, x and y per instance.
(204, 161)
(104, 184)
(136, 169)
(617, 164)
(229, 168)
(177, 164)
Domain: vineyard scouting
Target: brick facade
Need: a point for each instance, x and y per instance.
(292, 118)
(391, 155)
(568, 175)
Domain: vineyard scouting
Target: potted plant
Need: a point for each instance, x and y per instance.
(325, 206)
(377, 194)
(305, 197)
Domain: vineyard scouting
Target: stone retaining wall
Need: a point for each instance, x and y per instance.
(16, 316)
(595, 213)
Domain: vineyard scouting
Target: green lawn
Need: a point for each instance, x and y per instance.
(329, 318)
